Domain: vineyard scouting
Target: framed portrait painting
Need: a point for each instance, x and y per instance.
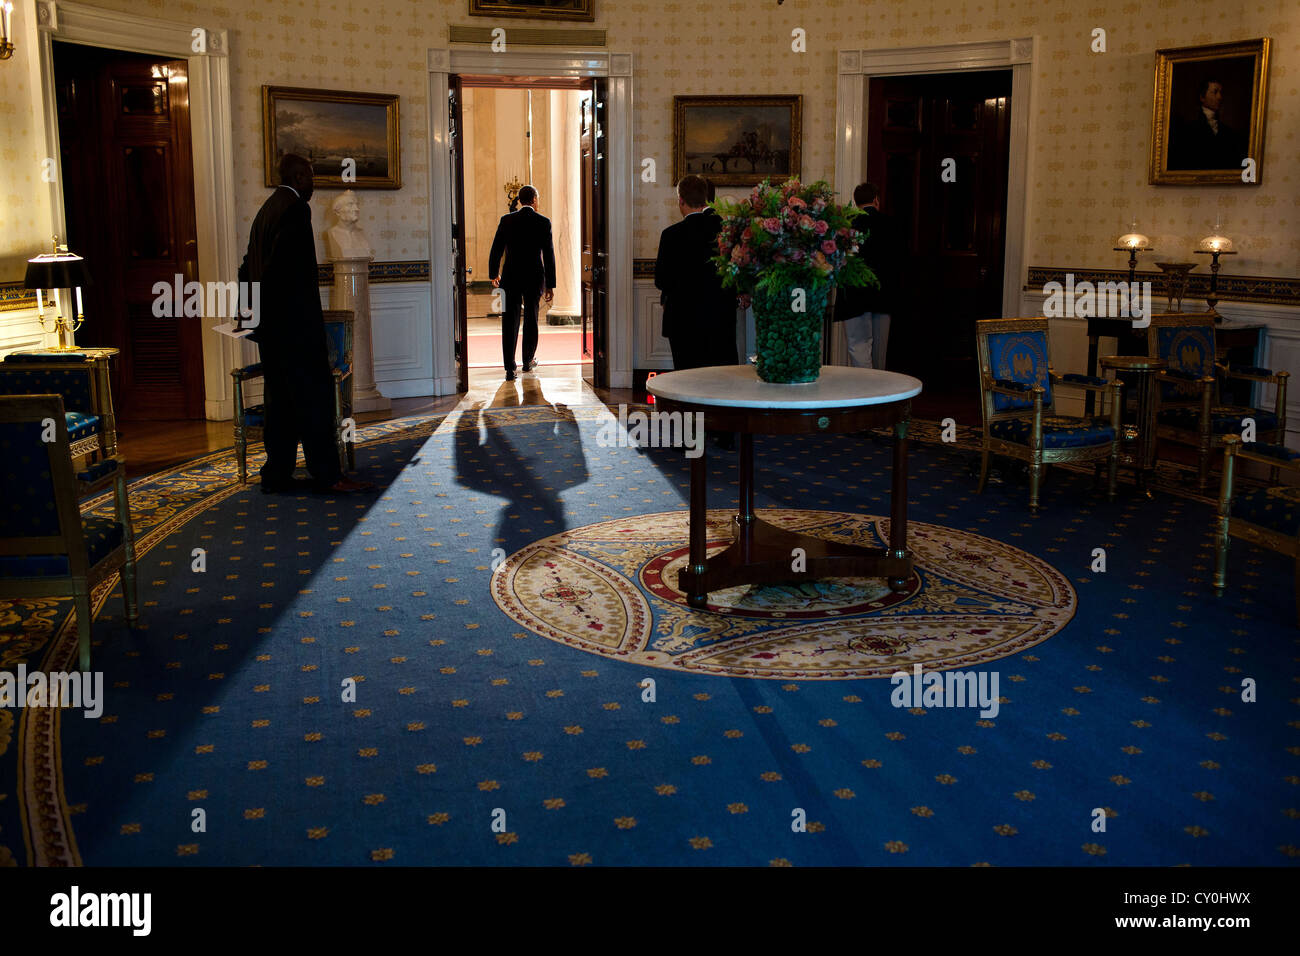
(737, 140)
(534, 9)
(352, 139)
(1207, 124)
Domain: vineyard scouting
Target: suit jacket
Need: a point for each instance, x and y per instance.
(691, 290)
(525, 237)
(1194, 144)
(282, 257)
(881, 251)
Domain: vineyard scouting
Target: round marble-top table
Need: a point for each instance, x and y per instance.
(732, 398)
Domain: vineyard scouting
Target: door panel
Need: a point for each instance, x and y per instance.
(595, 264)
(124, 130)
(460, 278)
(953, 231)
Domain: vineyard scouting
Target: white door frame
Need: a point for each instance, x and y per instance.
(857, 67)
(617, 67)
(211, 144)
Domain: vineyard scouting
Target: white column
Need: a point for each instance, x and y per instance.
(352, 291)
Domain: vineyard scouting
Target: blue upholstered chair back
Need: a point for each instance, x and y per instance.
(1186, 349)
(27, 496)
(1020, 357)
(338, 338)
(20, 376)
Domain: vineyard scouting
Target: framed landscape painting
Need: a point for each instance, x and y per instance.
(534, 9)
(737, 140)
(1208, 115)
(331, 128)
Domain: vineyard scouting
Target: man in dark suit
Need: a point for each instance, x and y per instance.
(524, 236)
(290, 335)
(699, 314)
(866, 310)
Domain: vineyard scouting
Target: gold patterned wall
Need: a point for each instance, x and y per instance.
(1090, 124)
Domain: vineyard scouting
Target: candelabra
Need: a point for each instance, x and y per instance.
(1133, 242)
(56, 271)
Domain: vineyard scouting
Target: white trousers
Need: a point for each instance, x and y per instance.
(868, 338)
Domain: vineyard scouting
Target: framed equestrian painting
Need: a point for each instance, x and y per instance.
(1207, 125)
(533, 9)
(737, 140)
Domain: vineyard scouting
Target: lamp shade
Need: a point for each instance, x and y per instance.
(1133, 240)
(57, 270)
(1216, 243)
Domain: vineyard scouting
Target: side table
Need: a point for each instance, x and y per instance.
(1138, 442)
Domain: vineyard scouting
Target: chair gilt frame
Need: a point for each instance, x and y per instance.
(82, 577)
(244, 433)
(1202, 437)
(1034, 453)
(1228, 527)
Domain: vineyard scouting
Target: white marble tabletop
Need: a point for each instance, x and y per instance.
(738, 386)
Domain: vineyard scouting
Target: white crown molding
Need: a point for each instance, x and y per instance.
(95, 26)
(949, 57)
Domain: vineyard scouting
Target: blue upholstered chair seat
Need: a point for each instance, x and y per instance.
(255, 416)
(103, 535)
(1224, 419)
(98, 470)
(80, 425)
(1277, 509)
(1059, 431)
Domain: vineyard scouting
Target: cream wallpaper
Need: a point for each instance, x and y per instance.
(1089, 138)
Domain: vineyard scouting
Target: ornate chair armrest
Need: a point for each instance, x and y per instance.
(1006, 386)
(341, 373)
(1253, 373)
(1088, 382)
(247, 372)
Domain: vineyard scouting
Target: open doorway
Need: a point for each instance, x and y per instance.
(938, 148)
(508, 132)
(128, 190)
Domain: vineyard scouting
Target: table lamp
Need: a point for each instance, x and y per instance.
(55, 272)
(1132, 242)
(1214, 245)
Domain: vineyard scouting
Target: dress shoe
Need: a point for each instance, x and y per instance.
(345, 486)
(510, 376)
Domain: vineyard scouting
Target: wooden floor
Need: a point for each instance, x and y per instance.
(151, 446)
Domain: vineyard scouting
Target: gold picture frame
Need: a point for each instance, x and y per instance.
(717, 136)
(329, 126)
(1201, 135)
(534, 9)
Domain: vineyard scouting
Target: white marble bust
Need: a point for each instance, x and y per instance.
(345, 240)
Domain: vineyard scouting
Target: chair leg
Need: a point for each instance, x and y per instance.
(81, 597)
(984, 471)
(129, 597)
(1113, 478)
(241, 455)
(1222, 542)
(1203, 465)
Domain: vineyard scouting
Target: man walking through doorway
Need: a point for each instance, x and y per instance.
(290, 335)
(524, 237)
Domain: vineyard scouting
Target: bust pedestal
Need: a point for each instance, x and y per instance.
(352, 291)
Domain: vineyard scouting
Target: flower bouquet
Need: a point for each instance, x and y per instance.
(783, 249)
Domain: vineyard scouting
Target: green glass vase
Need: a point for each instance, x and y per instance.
(789, 341)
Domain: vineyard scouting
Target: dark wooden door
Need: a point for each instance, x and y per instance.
(460, 277)
(954, 231)
(128, 184)
(595, 266)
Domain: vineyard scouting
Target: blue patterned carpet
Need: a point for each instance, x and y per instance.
(230, 699)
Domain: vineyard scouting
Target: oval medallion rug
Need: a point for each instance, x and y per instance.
(611, 589)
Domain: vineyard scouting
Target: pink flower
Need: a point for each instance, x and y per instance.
(771, 224)
(747, 235)
(806, 221)
(796, 203)
(828, 246)
(796, 256)
(820, 227)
